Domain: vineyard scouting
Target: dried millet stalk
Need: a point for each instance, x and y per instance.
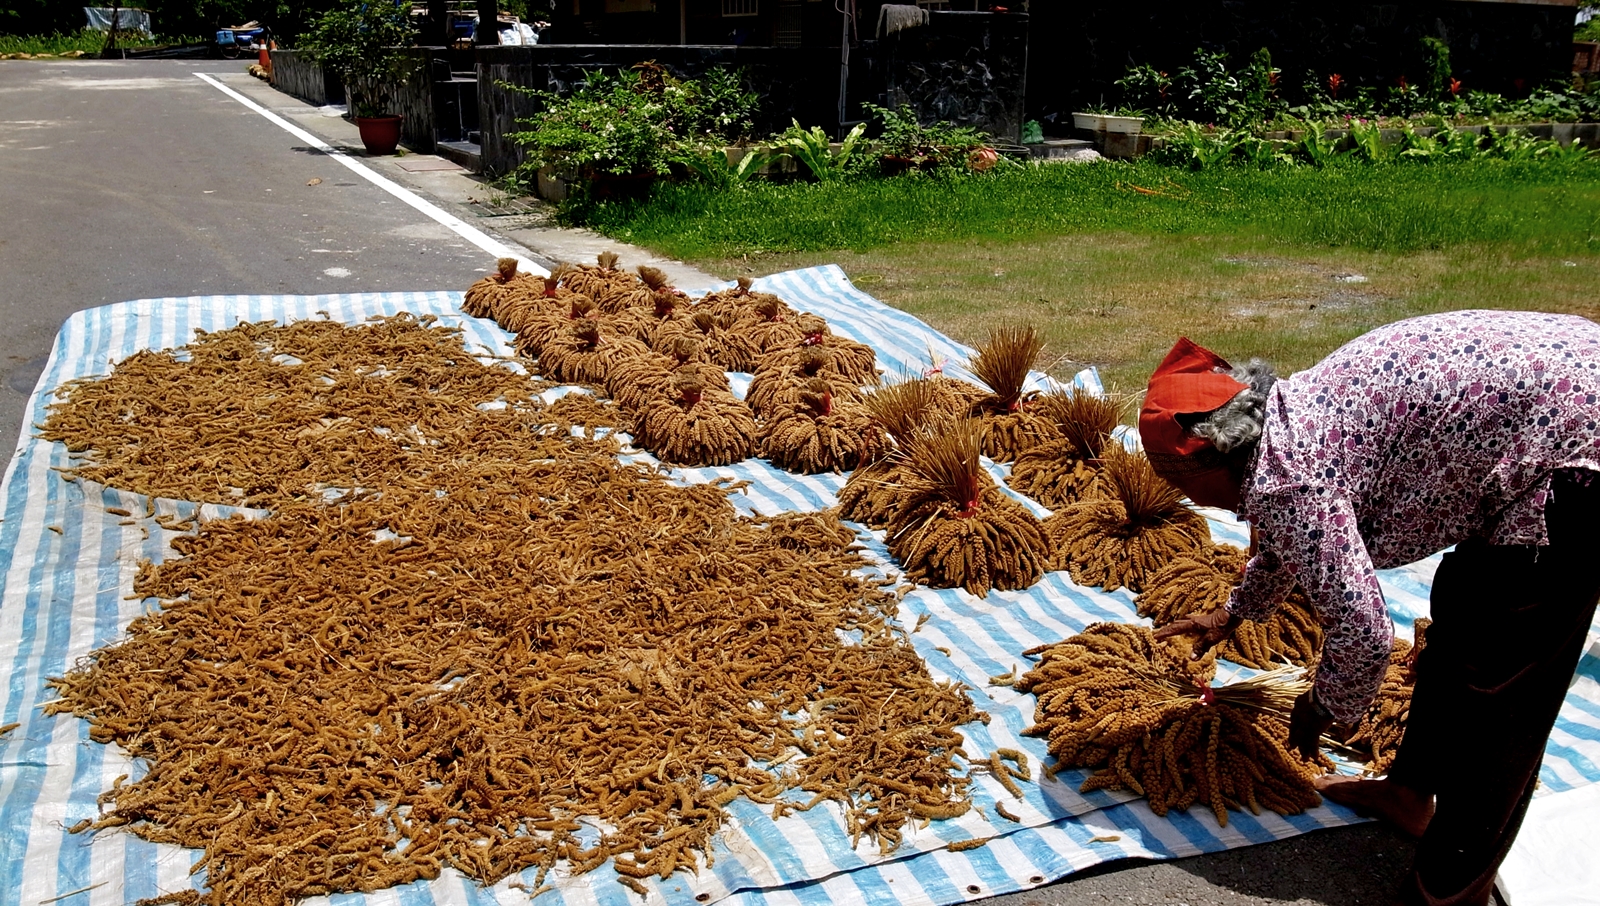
(1067, 469)
(551, 640)
(1201, 581)
(481, 296)
(1003, 365)
(872, 493)
(821, 434)
(1125, 537)
(696, 426)
(953, 527)
(1380, 731)
(1114, 699)
(775, 389)
(586, 353)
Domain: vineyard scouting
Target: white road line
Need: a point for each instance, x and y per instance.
(455, 224)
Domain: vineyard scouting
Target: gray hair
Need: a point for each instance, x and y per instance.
(1237, 424)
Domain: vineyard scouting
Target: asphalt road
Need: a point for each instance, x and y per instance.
(128, 180)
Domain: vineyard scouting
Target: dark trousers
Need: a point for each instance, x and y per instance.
(1509, 626)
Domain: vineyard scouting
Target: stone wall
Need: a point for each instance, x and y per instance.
(1081, 48)
(794, 83)
(966, 68)
(294, 73)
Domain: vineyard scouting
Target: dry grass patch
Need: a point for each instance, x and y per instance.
(1117, 301)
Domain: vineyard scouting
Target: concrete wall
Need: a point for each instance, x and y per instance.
(967, 68)
(294, 73)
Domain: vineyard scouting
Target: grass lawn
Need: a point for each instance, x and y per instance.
(86, 40)
(1285, 264)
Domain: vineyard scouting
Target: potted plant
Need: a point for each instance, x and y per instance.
(366, 45)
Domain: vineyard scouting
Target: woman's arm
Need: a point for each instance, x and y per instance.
(1309, 535)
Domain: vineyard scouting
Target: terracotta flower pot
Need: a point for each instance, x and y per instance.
(380, 134)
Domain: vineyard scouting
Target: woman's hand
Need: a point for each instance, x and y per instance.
(1214, 627)
(1307, 722)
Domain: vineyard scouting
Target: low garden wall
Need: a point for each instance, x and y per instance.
(294, 73)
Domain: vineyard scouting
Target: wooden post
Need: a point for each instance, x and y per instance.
(111, 33)
(488, 13)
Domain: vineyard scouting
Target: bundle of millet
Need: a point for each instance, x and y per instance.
(1201, 581)
(1003, 365)
(872, 493)
(514, 310)
(481, 296)
(1065, 469)
(619, 296)
(954, 527)
(1378, 735)
(1124, 537)
(854, 361)
(821, 433)
(775, 387)
(635, 381)
(586, 353)
(596, 280)
(741, 305)
(641, 323)
(771, 324)
(727, 348)
(544, 325)
(696, 425)
(1115, 699)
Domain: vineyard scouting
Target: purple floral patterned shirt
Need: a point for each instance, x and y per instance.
(1414, 437)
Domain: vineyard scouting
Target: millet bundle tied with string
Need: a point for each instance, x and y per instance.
(696, 425)
(1010, 422)
(1146, 719)
(1124, 537)
(953, 527)
(481, 296)
(775, 387)
(874, 491)
(1066, 468)
(820, 432)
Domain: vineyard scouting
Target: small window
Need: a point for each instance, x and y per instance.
(739, 7)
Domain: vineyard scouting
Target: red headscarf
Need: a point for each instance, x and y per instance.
(1190, 380)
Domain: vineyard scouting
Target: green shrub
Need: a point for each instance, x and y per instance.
(937, 148)
(635, 121)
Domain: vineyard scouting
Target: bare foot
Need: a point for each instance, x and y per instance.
(1402, 806)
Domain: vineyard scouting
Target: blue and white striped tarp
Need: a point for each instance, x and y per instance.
(66, 566)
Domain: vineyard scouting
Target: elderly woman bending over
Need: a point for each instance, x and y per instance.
(1475, 429)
